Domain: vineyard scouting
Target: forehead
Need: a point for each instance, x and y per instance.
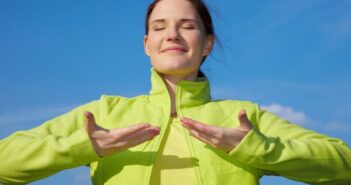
(174, 9)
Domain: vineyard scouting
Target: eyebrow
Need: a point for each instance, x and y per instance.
(181, 20)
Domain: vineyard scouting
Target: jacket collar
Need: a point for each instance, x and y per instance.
(189, 93)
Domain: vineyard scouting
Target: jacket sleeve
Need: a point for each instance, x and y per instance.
(58, 144)
(278, 147)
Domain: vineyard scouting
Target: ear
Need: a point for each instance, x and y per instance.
(146, 46)
(209, 42)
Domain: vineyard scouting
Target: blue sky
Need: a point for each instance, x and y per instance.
(292, 57)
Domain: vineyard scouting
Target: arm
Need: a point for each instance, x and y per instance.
(278, 147)
(68, 141)
(57, 144)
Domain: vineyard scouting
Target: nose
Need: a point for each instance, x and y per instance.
(173, 34)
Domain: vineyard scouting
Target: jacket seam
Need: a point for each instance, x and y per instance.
(190, 146)
(156, 148)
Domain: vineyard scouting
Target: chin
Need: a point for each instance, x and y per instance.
(175, 66)
(175, 70)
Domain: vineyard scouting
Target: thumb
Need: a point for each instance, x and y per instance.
(244, 121)
(90, 123)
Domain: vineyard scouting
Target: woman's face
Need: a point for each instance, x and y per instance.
(176, 42)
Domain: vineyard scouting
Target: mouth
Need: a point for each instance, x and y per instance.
(176, 49)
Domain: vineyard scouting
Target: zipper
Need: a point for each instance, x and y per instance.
(186, 133)
(159, 141)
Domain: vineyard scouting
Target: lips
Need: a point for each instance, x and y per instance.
(174, 49)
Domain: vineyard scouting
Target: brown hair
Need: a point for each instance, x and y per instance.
(199, 6)
(201, 9)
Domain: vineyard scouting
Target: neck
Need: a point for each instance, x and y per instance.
(171, 82)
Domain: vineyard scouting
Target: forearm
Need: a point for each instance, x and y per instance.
(289, 150)
(57, 144)
(27, 157)
(308, 160)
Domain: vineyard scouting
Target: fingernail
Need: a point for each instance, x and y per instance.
(146, 125)
(155, 131)
(185, 120)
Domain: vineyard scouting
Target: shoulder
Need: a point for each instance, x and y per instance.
(111, 101)
(231, 103)
(114, 99)
(233, 107)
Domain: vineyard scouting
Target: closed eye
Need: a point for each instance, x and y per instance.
(189, 27)
(158, 29)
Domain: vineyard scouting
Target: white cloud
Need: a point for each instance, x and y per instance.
(288, 113)
(299, 117)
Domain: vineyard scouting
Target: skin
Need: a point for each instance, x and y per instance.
(224, 139)
(107, 142)
(176, 44)
(176, 41)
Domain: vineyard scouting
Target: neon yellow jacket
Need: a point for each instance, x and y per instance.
(273, 147)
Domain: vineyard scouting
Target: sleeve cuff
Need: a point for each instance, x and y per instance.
(246, 150)
(82, 147)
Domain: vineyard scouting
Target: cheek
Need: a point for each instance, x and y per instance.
(196, 40)
(154, 43)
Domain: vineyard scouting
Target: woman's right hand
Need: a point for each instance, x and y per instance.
(107, 141)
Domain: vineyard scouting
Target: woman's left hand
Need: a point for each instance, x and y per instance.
(225, 139)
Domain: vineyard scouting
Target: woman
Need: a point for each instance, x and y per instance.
(145, 139)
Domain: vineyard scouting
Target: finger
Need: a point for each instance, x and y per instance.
(132, 129)
(203, 138)
(152, 130)
(200, 135)
(90, 123)
(244, 121)
(143, 136)
(197, 126)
